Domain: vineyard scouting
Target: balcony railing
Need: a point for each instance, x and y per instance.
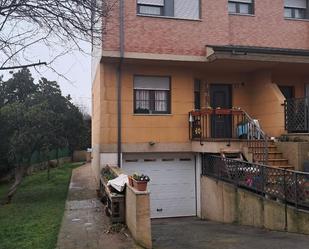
(291, 187)
(218, 124)
(296, 115)
(227, 124)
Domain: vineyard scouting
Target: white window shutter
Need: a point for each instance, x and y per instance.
(301, 4)
(151, 83)
(151, 2)
(187, 9)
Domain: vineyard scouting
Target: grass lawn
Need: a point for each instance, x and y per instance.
(33, 219)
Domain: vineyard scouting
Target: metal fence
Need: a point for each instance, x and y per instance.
(38, 157)
(291, 187)
(296, 115)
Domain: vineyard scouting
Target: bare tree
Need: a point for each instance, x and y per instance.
(26, 23)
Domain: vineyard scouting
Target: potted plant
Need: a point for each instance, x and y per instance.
(140, 182)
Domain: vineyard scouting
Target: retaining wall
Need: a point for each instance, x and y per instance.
(223, 202)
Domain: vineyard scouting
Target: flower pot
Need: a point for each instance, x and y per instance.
(130, 181)
(140, 185)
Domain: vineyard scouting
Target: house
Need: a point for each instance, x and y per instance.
(175, 79)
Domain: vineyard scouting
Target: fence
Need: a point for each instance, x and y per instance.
(291, 187)
(297, 115)
(39, 157)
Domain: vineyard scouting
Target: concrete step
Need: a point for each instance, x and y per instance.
(271, 148)
(271, 155)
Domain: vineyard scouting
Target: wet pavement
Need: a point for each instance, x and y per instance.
(84, 225)
(187, 233)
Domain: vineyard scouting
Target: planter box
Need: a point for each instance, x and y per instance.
(206, 111)
(237, 112)
(223, 111)
(140, 185)
(130, 181)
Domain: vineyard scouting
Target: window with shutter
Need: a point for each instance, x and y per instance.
(296, 9)
(185, 9)
(241, 7)
(152, 95)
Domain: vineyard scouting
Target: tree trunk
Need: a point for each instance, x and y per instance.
(19, 175)
(57, 157)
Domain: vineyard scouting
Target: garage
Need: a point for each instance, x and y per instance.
(173, 181)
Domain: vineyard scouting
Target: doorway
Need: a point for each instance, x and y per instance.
(221, 96)
(287, 91)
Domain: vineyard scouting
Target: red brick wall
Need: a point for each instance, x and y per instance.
(267, 28)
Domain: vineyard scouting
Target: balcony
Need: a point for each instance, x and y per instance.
(223, 124)
(296, 115)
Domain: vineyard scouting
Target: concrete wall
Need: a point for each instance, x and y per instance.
(138, 216)
(223, 202)
(296, 152)
(81, 156)
(265, 103)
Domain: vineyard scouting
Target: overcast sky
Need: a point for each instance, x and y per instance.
(76, 66)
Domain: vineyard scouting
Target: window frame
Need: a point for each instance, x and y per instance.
(138, 5)
(163, 11)
(250, 5)
(152, 97)
(293, 13)
(294, 9)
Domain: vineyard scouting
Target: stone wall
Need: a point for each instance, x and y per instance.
(223, 202)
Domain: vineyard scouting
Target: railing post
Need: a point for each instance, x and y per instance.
(266, 151)
(190, 118)
(263, 180)
(307, 113)
(296, 190)
(237, 174)
(285, 201)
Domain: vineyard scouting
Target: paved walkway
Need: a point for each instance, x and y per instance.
(192, 233)
(84, 224)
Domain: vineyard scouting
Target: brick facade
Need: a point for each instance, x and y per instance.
(266, 28)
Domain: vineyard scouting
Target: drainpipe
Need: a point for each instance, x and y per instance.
(119, 81)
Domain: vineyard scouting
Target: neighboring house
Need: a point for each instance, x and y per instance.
(162, 59)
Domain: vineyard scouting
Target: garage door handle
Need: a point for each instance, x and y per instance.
(159, 209)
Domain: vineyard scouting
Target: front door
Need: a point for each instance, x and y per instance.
(220, 96)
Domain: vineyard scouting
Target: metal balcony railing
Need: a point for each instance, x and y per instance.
(214, 124)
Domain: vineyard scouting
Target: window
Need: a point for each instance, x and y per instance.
(152, 95)
(150, 7)
(296, 9)
(187, 9)
(241, 7)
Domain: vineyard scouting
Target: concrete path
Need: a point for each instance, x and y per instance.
(84, 224)
(192, 233)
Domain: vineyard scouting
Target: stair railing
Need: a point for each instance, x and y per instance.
(257, 140)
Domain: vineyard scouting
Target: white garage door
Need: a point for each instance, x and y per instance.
(172, 185)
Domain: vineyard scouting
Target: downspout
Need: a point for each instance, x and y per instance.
(119, 81)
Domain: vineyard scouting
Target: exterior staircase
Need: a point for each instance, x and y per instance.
(275, 157)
